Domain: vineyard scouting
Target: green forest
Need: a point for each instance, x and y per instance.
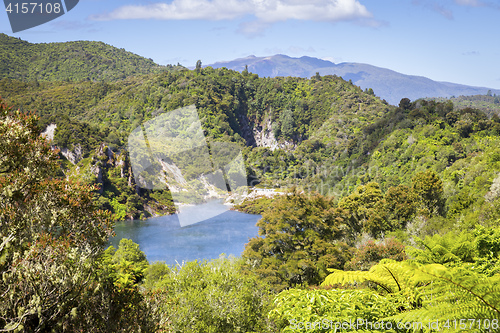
(389, 218)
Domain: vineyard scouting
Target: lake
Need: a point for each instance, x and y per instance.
(163, 238)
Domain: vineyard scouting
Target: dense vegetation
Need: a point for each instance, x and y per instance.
(254, 205)
(257, 114)
(53, 275)
(489, 103)
(392, 213)
(70, 61)
(56, 276)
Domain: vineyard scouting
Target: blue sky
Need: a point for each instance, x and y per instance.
(448, 40)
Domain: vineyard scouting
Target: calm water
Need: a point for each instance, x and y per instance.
(163, 238)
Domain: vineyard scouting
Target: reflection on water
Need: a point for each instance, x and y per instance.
(163, 239)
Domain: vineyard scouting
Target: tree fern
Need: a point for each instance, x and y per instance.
(433, 293)
(454, 294)
(443, 249)
(388, 276)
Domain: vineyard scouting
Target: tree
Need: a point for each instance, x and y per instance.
(198, 66)
(319, 311)
(287, 123)
(299, 240)
(129, 251)
(365, 210)
(370, 253)
(429, 188)
(52, 236)
(455, 293)
(386, 277)
(205, 296)
(405, 104)
(430, 292)
(400, 205)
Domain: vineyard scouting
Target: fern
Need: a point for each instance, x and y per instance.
(432, 292)
(458, 293)
(443, 249)
(389, 277)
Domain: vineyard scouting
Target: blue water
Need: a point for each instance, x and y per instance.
(163, 238)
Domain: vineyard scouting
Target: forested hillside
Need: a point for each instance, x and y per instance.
(390, 215)
(323, 133)
(71, 61)
(489, 103)
(275, 121)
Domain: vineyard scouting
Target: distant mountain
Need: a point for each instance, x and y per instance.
(387, 84)
(74, 61)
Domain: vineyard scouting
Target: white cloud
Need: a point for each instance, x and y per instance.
(443, 11)
(438, 7)
(266, 11)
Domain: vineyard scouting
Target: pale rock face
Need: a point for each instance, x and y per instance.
(49, 132)
(264, 137)
(173, 172)
(73, 156)
(494, 190)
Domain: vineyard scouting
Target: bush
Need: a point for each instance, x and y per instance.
(207, 297)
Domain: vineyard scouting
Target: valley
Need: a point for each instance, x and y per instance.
(363, 207)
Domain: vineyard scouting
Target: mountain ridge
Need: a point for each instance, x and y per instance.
(386, 83)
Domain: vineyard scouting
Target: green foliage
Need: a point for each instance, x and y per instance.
(207, 297)
(74, 61)
(228, 102)
(401, 205)
(364, 208)
(368, 210)
(119, 209)
(443, 249)
(416, 170)
(479, 248)
(51, 239)
(255, 205)
(370, 253)
(287, 124)
(327, 310)
(388, 277)
(488, 104)
(431, 292)
(129, 251)
(454, 294)
(429, 188)
(300, 240)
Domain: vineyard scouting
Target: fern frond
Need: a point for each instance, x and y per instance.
(464, 287)
(390, 275)
(454, 294)
(354, 277)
